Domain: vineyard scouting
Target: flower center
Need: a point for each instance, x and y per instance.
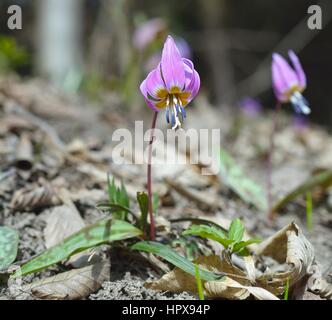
(299, 103)
(175, 112)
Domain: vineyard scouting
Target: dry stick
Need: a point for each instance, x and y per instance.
(149, 182)
(270, 214)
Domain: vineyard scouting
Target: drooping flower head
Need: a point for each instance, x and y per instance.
(289, 83)
(172, 85)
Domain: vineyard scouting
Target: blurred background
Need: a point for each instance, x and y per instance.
(102, 47)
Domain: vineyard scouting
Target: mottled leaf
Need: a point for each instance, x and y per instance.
(8, 246)
(103, 231)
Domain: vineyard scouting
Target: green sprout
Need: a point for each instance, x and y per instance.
(199, 283)
(232, 240)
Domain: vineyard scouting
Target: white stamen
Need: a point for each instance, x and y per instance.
(300, 103)
(177, 121)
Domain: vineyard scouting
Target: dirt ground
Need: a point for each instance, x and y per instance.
(85, 130)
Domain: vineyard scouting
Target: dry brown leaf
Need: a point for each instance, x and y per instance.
(179, 281)
(231, 289)
(318, 285)
(250, 268)
(288, 246)
(34, 197)
(62, 222)
(73, 284)
(227, 288)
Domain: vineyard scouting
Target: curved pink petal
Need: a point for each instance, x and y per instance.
(155, 84)
(144, 92)
(194, 85)
(278, 83)
(298, 68)
(283, 77)
(188, 71)
(172, 66)
(192, 78)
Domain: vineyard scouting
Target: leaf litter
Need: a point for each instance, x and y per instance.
(49, 151)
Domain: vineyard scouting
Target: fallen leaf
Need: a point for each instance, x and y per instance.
(71, 285)
(34, 197)
(61, 223)
(223, 288)
(250, 268)
(178, 281)
(290, 247)
(318, 285)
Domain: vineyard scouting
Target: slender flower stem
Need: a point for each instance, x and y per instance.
(270, 160)
(149, 180)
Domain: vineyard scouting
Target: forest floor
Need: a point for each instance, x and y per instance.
(49, 143)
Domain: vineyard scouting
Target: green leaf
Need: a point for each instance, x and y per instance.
(236, 230)
(208, 232)
(199, 283)
(118, 196)
(233, 176)
(111, 188)
(286, 292)
(124, 195)
(103, 231)
(8, 246)
(199, 221)
(143, 202)
(239, 246)
(322, 179)
(174, 258)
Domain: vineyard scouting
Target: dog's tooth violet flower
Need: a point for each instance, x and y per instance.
(172, 85)
(289, 83)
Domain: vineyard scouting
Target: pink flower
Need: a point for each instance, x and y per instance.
(289, 83)
(148, 32)
(171, 85)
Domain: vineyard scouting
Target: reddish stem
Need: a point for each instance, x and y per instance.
(270, 160)
(149, 181)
